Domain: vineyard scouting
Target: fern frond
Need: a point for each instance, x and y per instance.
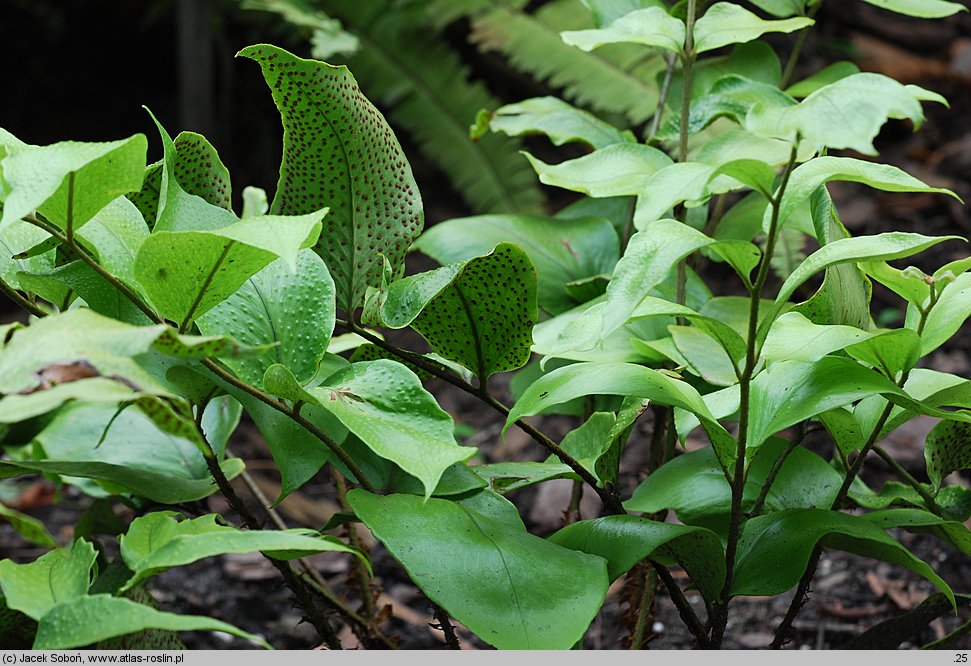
(424, 88)
(619, 79)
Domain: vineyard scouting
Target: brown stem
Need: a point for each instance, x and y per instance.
(445, 624)
(685, 610)
(21, 301)
(608, 495)
(645, 608)
(909, 480)
(305, 599)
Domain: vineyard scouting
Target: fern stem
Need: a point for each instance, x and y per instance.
(797, 50)
(305, 599)
(909, 480)
(20, 300)
(802, 592)
(608, 495)
(720, 618)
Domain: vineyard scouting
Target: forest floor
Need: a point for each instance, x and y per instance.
(850, 593)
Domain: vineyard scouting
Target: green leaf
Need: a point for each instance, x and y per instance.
(529, 593)
(792, 391)
(809, 176)
(478, 313)
(361, 173)
(115, 233)
(795, 338)
(781, 8)
(96, 441)
(560, 121)
(916, 520)
(774, 550)
(54, 578)
(387, 477)
(427, 89)
(844, 297)
(298, 454)
(187, 273)
(892, 352)
(649, 259)
(617, 170)
(291, 311)
(706, 360)
(69, 182)
(946, 450)
(562, 251)
(651, 27)
(374, 398)
(626, 540)
(882, 247)
(726, 23)
(889, 634)
(28, 527)
(87, 620)
(160, 541)
(847, 113)
(505, 477)
(953, 307)
(42, 356)
(827, 75)
(20, 236)
(920, 8)
(581, 379)
(694, 485)
(197, 170)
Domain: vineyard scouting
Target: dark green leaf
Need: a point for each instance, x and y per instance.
(514, 590)
(339, 152)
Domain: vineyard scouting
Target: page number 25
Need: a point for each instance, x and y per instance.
(961, 658)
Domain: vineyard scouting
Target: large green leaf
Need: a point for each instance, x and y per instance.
(793, 391)
(81, 344)
(726, 23)
(560, 121)
(563, 251)
(187, 273)
(916, 520)
(694, 485)
(845, 114)
(886, 246)
(844, 297)
(292, 311)
(87, 620)
(126, 453)
(626, 540)
(339, 152)
(949, 313)
(920, 8)
(70, 181)
(179, 209)
(619, 169)
(197, 170)
(650, 27)
(582, 379)
(478, 313)
(160, 541)
(376, 398)
(114, 234)
(528, 593)
(774, 550)
(54, 578)
(809, 176)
